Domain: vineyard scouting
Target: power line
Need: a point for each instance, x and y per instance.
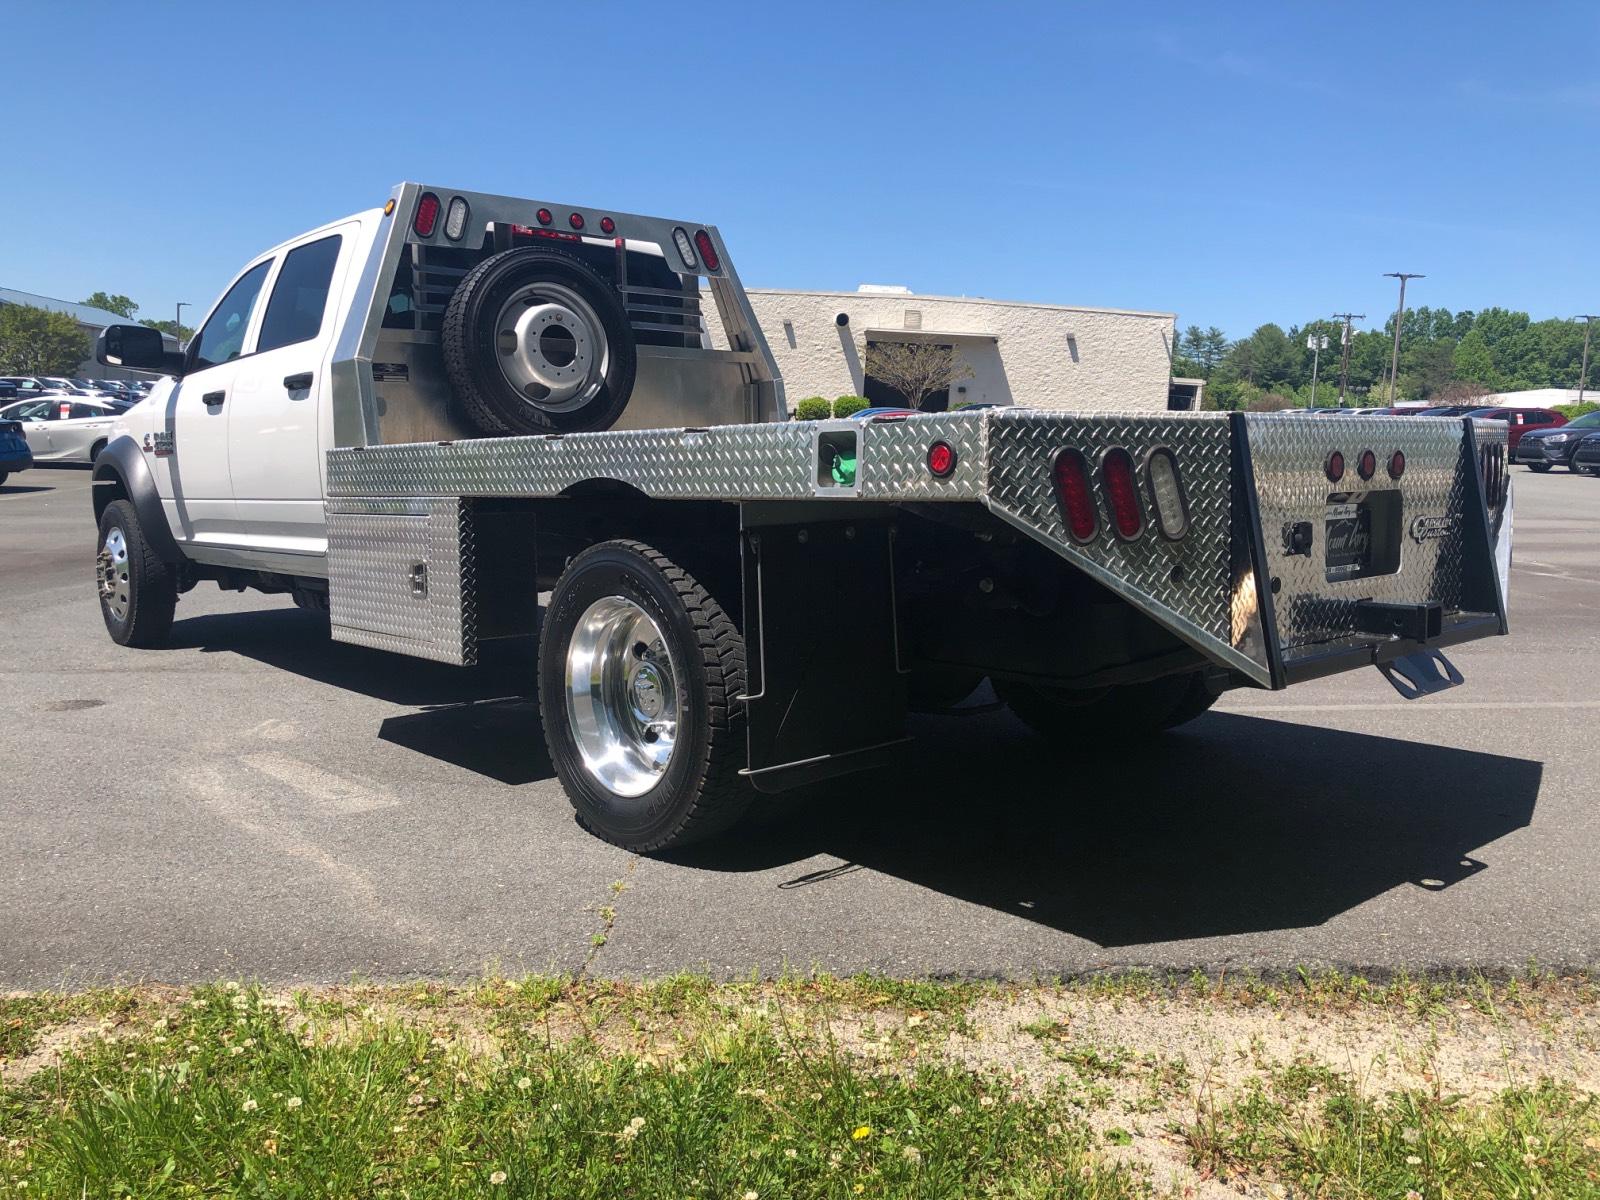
(1399, 315)
(1344, 358)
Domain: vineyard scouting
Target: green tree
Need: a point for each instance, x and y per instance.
(36, 341)
(182, 332)
(1264, 358)
(1205, 348)
(119, 304)
(1474, 363)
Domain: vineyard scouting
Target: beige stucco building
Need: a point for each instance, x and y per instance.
(1037, 355)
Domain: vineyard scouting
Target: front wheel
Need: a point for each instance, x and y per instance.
(1538, 468)
(1125, 710)
(137, 591)
(641, 674)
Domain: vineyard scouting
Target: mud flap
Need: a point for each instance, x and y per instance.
(1421, 674)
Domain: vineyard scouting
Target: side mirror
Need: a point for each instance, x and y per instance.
(136, 348)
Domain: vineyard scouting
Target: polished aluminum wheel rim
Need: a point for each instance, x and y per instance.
(112, 568)
(551, 346)
(623, 700)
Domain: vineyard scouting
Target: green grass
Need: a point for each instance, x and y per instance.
(800, 1087)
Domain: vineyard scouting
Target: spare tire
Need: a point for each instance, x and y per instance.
(536, 342)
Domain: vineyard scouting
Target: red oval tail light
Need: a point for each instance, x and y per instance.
(1122, 493)
(427, 215)
(1076, 498)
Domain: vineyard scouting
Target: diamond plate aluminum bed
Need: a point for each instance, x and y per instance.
(1234, 588)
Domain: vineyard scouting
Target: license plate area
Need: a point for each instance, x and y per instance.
(1361, 535)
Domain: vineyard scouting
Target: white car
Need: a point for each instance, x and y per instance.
(65, 428)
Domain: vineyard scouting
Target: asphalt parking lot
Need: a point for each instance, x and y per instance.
(258, 801)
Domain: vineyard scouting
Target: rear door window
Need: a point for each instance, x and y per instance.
(84, 412)
(222, 339)
(300, 295)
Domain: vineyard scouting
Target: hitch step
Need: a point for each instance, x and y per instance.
(1421, 674)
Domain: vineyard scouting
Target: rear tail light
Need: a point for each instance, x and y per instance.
(1397, 464)
(575, 220)
(708, 252)
(1122, 494)
(1167, 498)
(1333, 466)
(680, 239)
(1075, 495)
(544, 216)
(427, 215)
(607, 225)
(941, 460)
(1367, 464)
(455, 219)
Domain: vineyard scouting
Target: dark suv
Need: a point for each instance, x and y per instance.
(1541, 449)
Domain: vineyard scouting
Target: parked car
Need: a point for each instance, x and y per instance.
(65, 428)
(1445, 410)
(1586, 454)
(1519, 421)
(15, 454)
(1552, 446)
(867, 414)
(28, 387)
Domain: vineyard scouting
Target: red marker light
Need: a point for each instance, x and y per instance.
(708, 252)
(544, 216)
(607, 225)
(941, 460)
(575, 220)
(1367, 464)
(1334, 467)
(1116, 473)
(1073, 493)
(427, 215)
(1397, 464)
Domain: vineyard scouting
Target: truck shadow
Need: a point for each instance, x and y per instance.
(1233, 824)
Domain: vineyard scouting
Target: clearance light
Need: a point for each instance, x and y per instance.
(455, 219)
(427, 215)
(680, 239)
(1166, 494)
(1333, 466)
(1367, 464)
(575, 220)
(607, 225)
(708, 252)
(1073, 492)
(544, 216)
(1397, 464)
(941, 460)
(1116, 474)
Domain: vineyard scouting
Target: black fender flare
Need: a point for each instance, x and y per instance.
(120, 467)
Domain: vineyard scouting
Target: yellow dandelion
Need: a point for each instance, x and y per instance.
(860, 1132)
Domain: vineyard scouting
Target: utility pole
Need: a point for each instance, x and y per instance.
(1344, 358)
(1316, 343)
(1399, 316)
(177, 321)
(1588, 320)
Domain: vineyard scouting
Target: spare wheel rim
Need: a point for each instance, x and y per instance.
(551, 346)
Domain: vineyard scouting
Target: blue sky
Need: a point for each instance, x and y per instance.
(1263, 162)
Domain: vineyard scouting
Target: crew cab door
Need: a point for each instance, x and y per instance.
(193, 478)
(274, 419)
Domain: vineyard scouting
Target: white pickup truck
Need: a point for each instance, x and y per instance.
(424, 417)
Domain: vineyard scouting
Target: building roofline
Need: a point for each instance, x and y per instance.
(879, 296)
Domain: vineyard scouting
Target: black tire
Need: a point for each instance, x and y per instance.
(484, 397)
(150, 591)
(1122, 711)
(701, 792)
(4, 475)
(1539, 468)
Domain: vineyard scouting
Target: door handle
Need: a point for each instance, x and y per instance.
(297, 383)
(211, 398)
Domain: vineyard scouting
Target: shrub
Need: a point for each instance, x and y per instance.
(813, 408)
(1569, 411)
(845, 406)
